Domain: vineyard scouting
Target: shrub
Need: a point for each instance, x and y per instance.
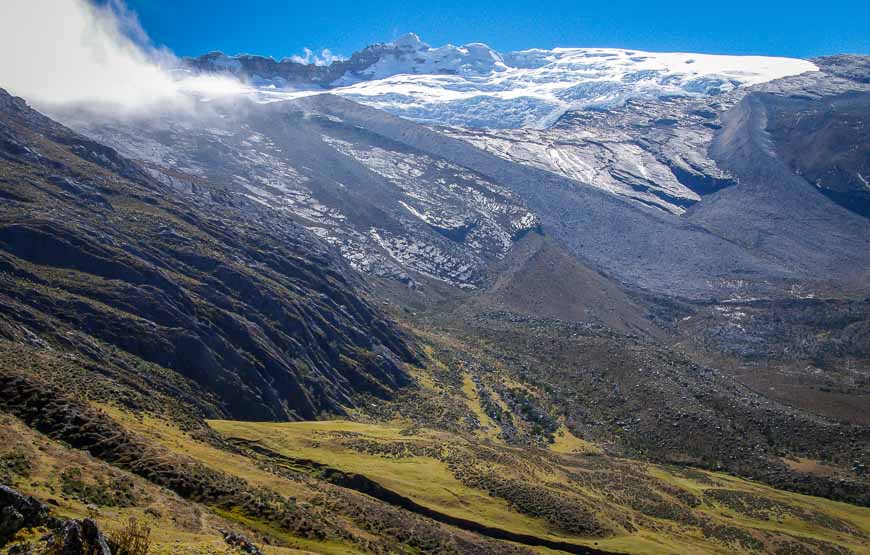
(133, 539)
(104, 492)
(14, 464)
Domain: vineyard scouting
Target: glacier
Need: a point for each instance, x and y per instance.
(475, 86)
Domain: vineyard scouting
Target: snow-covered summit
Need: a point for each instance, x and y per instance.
(532, 88)
(411, 55)
(473, 85)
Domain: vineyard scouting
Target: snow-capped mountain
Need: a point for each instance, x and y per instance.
(586, 145)
(475, 86)
(607, 151)
(413, 56)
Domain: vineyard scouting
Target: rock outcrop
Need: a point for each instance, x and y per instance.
(19, 512)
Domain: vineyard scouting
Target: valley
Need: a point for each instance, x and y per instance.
(632, 317)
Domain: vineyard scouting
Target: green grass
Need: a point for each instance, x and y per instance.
(425, 480)
(178, 526)
(431, 482)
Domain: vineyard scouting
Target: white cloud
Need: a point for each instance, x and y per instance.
(62, 51)
(310, 57)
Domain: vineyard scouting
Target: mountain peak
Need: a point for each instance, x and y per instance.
(410, 40)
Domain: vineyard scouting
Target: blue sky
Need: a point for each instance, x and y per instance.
(281, 28)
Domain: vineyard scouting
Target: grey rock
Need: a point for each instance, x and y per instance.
(18, 512)
(241, 542)
(79, 537)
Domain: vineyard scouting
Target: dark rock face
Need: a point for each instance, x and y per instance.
(18, 512)
(264, 318)
(776, 212)
(68, 537)
(827, 142)
(290, 72)
(241, 543)
(79, 537)
(817, 127)
(850, 67)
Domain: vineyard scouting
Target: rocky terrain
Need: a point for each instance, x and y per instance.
(203, 295)
(830, 110)
(391, 210)
(673, 156)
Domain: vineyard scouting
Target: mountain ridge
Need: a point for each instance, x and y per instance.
(473, 85)
(252, 322)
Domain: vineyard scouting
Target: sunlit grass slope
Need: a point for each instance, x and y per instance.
(585, 498)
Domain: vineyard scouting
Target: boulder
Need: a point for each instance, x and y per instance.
(79, 537)
(241, 543)
(19, 511)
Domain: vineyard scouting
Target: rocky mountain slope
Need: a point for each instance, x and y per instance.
(821, 132)
(674, 156)
(201, 295)
(652, 152)
(405, 201)
(641, 247)
(391, 210)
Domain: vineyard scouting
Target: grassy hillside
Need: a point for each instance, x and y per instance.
(584, 498)
(570, 493)
(195, 466)
(76, 485)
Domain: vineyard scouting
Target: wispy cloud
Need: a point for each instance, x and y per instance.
(324, 58)
(62, 51)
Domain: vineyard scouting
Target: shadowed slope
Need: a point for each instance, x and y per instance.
(100, 260)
